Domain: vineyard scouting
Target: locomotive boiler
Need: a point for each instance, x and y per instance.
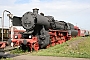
(30, 20)
(39, 25)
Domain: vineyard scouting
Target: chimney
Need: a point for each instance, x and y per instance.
(35, 11)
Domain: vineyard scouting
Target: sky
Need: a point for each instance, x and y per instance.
(76, 12)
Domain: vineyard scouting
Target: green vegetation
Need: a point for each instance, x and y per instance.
(77, 47)
(18, 51)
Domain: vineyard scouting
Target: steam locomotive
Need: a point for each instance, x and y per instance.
(41, 31)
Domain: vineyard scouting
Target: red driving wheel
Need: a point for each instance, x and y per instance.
(36, 46)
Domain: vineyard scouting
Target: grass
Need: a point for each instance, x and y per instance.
(64, 50)
(82, 50)
(18, 51)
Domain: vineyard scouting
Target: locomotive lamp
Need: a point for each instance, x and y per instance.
(16, 37)
(30, 36)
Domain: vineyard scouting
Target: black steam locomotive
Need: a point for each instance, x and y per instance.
(40, 25)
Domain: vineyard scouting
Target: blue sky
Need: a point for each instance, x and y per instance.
(73, 11)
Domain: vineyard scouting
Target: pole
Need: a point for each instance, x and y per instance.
(1, 21)
(11, 30)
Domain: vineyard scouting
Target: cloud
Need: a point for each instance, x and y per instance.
(6, 2)
(68, 10)
(21, 1)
